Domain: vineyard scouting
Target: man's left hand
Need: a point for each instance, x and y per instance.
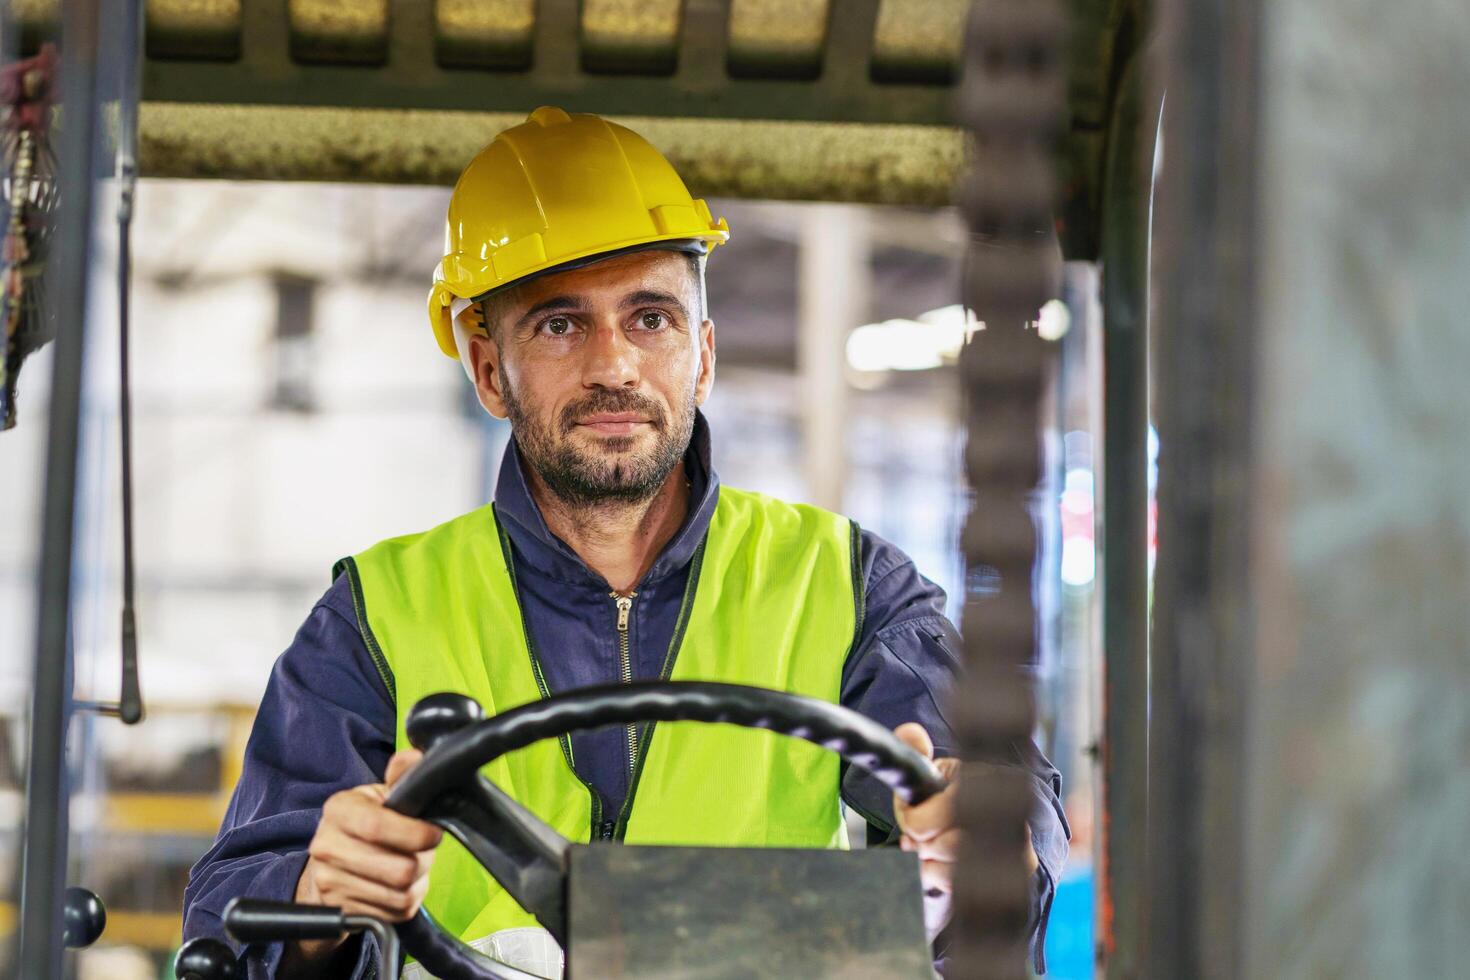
(929, 828)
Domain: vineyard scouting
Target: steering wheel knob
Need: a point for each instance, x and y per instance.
(438, 716)
(207, 959)
(83, 918)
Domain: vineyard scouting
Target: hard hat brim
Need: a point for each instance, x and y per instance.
(442, 297)
(692, 246)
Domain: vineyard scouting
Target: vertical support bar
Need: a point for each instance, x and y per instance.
(1124, 526)
(1203, 653)
(833, 297)
(46, 828)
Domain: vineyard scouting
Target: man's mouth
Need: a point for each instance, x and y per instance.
(613, 423)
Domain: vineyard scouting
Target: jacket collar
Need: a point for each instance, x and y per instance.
(537, 546)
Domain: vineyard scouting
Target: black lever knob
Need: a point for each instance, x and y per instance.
(83, 918)
(207, 959)
(439, 716)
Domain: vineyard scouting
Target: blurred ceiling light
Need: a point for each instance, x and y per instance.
(928, 341)
(1054, 320)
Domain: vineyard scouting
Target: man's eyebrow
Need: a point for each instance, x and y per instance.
(566, 302)
(652, 297)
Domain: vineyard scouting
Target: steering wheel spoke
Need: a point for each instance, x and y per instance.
(525, 855)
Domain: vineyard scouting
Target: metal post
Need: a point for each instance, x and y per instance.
(1124, 526)
(834, 300)
(46, 827)
(1202, 651)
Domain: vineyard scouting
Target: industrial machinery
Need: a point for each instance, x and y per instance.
(1282, 733)
(637, 911)
(901, 72)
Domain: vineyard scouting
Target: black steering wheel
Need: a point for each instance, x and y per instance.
(526, 856)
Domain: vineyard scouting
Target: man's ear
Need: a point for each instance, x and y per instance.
(485, 359)
(706, 379)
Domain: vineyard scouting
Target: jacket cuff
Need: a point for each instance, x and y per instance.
(277, 883)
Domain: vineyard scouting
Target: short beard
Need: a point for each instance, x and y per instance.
(582, 480)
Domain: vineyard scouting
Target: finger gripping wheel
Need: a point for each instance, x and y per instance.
(83, 918)
(207, 959)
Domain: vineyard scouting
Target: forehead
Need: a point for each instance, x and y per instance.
(612, 277)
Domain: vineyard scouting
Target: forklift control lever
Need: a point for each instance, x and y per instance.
(255, 920)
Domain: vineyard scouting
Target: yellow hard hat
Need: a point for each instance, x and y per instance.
(553, 190)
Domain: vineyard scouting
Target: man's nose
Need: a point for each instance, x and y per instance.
(610, 359)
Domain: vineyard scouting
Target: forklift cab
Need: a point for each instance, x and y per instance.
(629, 910)
(863, 101)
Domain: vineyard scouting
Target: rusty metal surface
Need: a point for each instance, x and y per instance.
(919, 40)
(780, 160)
(573, 46)
(887, 62)
(493, 34)
(193, 28)
(339, 31)
(778, 38)
(631, 35)
(1012, 101)
(707, 913)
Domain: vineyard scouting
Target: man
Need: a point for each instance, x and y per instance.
(572, 290)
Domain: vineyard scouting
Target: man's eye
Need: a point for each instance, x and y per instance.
(653, 321)
(557, 326)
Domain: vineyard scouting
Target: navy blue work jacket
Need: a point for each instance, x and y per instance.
(327, 722)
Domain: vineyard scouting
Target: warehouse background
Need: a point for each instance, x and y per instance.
(290, 408)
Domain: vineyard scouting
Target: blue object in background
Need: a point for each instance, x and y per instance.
(1069, 934)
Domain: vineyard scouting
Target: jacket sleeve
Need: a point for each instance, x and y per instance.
(326, 724)
(905, 666)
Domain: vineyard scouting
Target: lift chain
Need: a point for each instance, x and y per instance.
(1012, 101)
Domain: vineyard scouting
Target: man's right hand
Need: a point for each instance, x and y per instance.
(366, 859)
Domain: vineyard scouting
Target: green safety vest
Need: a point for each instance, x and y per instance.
(774, 600)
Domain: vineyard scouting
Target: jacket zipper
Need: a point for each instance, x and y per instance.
(625, 664)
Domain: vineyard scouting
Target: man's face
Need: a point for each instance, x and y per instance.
(600, 370)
